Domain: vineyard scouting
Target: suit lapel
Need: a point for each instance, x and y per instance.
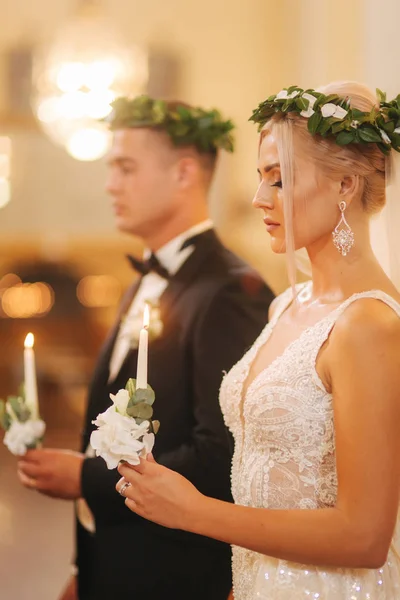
(205, 243)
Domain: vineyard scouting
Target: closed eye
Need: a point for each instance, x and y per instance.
(277, 184)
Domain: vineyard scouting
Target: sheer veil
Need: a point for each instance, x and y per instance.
(385, 227)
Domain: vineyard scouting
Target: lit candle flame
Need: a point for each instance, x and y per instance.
(146, 316)
(29, 341)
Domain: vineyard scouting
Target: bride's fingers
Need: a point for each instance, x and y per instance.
(129, 472)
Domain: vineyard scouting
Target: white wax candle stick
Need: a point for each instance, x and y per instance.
(31, 395)
(141, 375)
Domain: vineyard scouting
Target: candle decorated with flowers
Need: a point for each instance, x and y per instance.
(126, 430)
(141, 374)
(19, 415)
(31, 394)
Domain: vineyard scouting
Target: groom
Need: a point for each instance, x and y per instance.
(209, 308)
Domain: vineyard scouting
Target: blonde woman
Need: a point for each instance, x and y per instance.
(314, 406)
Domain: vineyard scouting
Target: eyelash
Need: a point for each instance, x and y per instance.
(277, 184)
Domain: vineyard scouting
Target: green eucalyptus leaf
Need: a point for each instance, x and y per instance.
(389, 127)
(324, 126)
(5, 419)
(396, 140)
(314, 122)
(155, 426)
(345, 137)
(357, 114)
(302, 103)
(368, 134)
(393, 113)
(147, 396)
(17, 405)
(381, 95)
(131, 387)
(336, 127)
(141, 411)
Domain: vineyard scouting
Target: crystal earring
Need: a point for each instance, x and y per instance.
(343, 236)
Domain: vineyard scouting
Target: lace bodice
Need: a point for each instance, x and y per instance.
(285, 459)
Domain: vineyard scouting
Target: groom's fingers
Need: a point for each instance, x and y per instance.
(28, 482)
(33, 456)
(30, 469)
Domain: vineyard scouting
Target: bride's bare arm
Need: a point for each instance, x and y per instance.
(362, 363)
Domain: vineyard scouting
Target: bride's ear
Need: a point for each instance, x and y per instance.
(350, 187)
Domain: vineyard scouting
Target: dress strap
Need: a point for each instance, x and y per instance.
(324, 327)
(374, 294)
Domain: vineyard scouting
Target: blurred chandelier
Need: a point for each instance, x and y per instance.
(77, 77)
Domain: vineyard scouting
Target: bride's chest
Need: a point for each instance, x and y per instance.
(288, 394)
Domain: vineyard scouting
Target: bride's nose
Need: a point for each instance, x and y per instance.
(263, 197)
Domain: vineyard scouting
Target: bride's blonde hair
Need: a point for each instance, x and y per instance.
(365, 160)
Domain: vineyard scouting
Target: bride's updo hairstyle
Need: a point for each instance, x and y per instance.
(365, 160)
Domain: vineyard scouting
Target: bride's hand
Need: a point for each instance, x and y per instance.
(159, 494)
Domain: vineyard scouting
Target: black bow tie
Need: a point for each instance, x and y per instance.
(151, 265)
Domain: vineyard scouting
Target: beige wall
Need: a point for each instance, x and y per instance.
(233, 55)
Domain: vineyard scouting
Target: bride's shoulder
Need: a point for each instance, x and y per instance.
(368, 324)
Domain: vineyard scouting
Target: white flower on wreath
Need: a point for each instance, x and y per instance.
(284, 95)
(311, 101)
(20, 436)
(397, 130)
(332, 110)
(120, 437)
(385, 136)
(355, 124)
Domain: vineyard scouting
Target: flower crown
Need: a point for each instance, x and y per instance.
(185, 125)
(334, 117)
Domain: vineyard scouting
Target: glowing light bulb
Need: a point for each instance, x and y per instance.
(88, 144)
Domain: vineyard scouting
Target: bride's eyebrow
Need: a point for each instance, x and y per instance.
(268, 168)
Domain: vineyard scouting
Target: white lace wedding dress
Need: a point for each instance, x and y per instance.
(285, 459)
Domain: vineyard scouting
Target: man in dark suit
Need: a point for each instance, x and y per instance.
(210, 307)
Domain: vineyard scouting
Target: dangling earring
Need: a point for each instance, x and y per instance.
(343, 238)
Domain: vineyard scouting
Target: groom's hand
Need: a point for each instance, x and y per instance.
(55, 473)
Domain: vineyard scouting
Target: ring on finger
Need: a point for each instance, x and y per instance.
(123, 489)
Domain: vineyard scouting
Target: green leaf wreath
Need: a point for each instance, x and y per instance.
(186, 126)
(332, 116)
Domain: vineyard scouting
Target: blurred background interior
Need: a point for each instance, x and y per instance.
(62, 267)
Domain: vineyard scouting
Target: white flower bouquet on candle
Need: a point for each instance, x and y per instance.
(24, 430)
(125, 431)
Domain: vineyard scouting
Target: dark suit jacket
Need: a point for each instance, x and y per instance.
(212, 311)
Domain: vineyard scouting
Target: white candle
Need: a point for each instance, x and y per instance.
(31, 395)
(141, 375)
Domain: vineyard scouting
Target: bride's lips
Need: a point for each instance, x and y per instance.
(271, 225)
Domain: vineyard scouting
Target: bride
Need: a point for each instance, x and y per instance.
(314, 406)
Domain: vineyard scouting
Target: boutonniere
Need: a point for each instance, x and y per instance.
(132, 325)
